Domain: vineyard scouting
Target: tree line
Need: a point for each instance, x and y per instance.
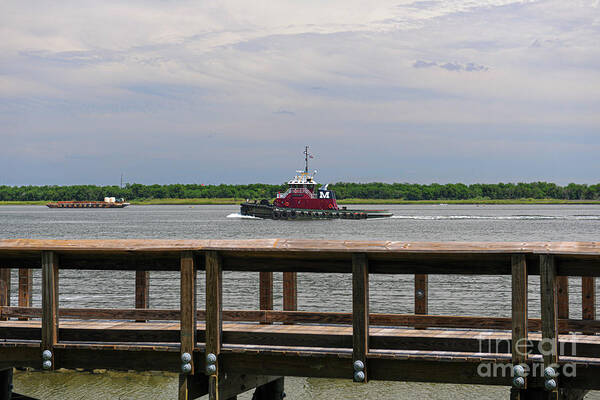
(343, 190)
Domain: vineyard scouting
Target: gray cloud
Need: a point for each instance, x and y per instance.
(451, 66)
(284, 112)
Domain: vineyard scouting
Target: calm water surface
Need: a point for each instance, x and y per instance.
(452, 294)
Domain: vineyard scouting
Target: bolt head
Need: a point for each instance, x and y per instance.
(211, 369)
(550, 373)
(358, 365)
(186, 358)
(518, 370)
(211, 358)
(359, 376)
(186, 368)
(46, 355)
(519, 382)
(550, 384)
(420, 294)
(47, 364)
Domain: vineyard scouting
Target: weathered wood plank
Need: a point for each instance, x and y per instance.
(49, 302)
(549, 313)
(214, 317)
(290, 291)
(265, 288)
(519, 316)
(142, 290)
(562, 296)
(360, 310)
(421, 296)
(187, 306)
(4, 289)
(588, 301)
(25, 287)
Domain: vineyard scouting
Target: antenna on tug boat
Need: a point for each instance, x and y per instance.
(307, 155)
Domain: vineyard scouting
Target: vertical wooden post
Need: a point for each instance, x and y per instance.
(266, 292)
(588, 298)
(549, 303)
(25, 288)
(421, 297)
(188, 318)
(562, 294)
(142, 290)
(290, 291)
(214, 317)
(519, 317)
(4, 288)
(360, 310)
(49, 302)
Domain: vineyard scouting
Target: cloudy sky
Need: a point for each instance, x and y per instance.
(231, 91)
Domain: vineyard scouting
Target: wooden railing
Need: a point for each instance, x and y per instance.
(553, 262)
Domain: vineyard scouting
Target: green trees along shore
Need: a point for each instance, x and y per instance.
(356, 191)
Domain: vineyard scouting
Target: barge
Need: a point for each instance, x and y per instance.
(109, 202)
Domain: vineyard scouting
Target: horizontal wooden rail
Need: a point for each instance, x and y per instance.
(571, 258)
(304, 317)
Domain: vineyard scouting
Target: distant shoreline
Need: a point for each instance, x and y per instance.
(233, 201)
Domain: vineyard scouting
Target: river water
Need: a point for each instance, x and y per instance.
(466, 295)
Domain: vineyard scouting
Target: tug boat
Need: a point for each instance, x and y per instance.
(303, 200)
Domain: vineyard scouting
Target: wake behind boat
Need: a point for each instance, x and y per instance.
(303, 200)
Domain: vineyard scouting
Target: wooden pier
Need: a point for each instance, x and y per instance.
(223, 353)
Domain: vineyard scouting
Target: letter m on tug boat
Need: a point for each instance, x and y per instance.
(303, 200)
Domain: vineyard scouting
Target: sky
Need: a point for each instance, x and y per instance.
(231, 91)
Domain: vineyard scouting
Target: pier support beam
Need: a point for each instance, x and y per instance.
(542, 394)
(6, 386)
(273, 390)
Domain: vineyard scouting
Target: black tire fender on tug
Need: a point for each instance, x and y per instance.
(293, 214)
(276, 214)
